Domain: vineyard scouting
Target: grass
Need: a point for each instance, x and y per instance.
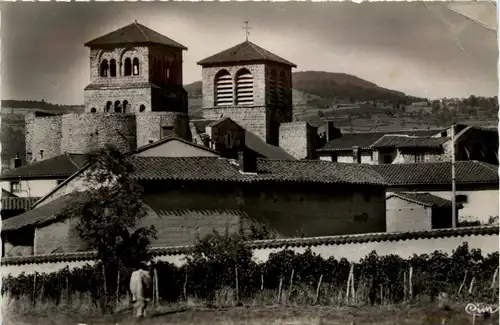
(261, 309)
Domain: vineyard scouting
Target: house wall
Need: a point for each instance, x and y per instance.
(483, 202)
(58, 237)
(407, 216)
(32, 188)
(346, 157)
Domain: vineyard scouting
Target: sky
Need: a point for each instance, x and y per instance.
(429, 50)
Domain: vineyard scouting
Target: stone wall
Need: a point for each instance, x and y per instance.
(298, 139)
(135, 97)
(43, 133)
(84, 132)
(149, 126)
(59, 237)
(407, 216)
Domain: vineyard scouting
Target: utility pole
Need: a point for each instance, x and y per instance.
(453, 185)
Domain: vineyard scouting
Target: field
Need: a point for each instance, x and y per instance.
(251, 315)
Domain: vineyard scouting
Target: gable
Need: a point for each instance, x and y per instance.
(175, 148)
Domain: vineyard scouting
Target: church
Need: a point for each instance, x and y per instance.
(136, 97)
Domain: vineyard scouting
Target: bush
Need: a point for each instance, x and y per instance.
(212, 266)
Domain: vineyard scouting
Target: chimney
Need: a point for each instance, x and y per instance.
(17, 161)
(356, 155)
(247, 161)
(331, 131)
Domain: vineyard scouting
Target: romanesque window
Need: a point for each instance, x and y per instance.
(142, 108)
(223, 89)
(118, 108)
(273, 91)
(124, 106)
(135, 66)
(281, 88)
(127, 69)
(93, 110)
(244, 87)
(108, 106)
(104, 68)
(112, 68)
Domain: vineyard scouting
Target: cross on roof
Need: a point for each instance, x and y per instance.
(247, 29)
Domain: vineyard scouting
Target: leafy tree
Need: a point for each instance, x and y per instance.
(109, 217)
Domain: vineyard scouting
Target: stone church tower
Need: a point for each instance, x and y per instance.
(250, 85)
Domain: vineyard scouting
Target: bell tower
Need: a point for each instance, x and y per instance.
(135, 70)
(250, 85)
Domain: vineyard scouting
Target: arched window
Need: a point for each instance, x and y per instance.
(124, 106)
(135, 66)
(281, 88)
(108, 106)
(273, 91)
(244, 87)
(112, 68)
(118, 108)
(142, 108)
(223, 89)
(127, 69)
(104, 68)
(93, 110)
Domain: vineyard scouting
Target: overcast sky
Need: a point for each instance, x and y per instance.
(422, 50)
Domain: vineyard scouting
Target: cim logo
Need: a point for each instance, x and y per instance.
(480, 310)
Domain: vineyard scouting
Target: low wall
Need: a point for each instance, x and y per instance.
(351, 247)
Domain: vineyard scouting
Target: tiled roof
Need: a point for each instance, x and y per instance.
(438, 173)
(244, 52)
(277, 243)
(425, 199)
(61, 166)
(364, 140)
(134, 33)
(167, 139)
(18, 203)
(404, 141)
(44, 214)
(226, 170)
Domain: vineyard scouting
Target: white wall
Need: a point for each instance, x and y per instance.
(32, 188)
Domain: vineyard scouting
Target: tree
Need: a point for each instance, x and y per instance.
(109, 217)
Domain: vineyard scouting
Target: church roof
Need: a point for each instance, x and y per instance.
(134, 33)
(244, 52)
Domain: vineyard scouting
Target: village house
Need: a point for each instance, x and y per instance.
(289, 198)
(408, 146)
(476, 190)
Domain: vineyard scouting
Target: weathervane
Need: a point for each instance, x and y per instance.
(247, 29)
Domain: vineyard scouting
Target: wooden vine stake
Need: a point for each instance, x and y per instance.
(261, 281)
(353, 291)
(34, 289)
(410, 283)
(494, 280)
(184, 289)
(237, 285)
(350, 285)
(291, 285)
(405, 287)
(317, 289)
(157, 287)
(118, 288)
(279, 289)
(463, 283)
(471, 284)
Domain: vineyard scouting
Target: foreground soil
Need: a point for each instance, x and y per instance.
(400, 315)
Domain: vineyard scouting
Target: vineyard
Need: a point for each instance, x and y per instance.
(220, 271)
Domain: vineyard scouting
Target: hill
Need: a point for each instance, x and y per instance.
(319, 90)
(23, 106)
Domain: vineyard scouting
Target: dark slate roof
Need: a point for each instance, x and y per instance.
(201, 124)
(18, 203)
(425, 199)
(405, 141)
(276, 243)
(244, 52)
(364, 140)
(227, 170)
(61, 166)
(134, 33)
(43, 214)
(255, 143)
(438, 173)
(170, 138)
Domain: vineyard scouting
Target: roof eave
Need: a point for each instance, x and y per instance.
(110, 44)
(206, 63)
